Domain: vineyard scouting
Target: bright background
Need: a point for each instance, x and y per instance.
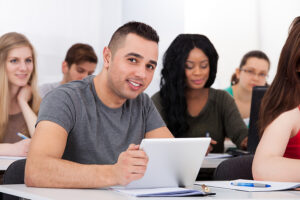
(234, 27)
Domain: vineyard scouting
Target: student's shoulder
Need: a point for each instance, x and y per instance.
(47, 87)
(289, 119)
(141, 101)
(156, 98)
(50, 85)
(78, 86)
(219, 96)
(291, 115)
(72, 89)
(143, 97)
(229, 90)
(156, 95)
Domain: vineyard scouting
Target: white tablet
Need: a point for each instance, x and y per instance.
(173, 162)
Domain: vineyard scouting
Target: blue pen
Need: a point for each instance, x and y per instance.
(22, 136)
(250, 184)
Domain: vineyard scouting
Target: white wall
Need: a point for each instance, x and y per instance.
(165, 16)
(230, 25)
(234, 26)
(276, 17)
(53, 26)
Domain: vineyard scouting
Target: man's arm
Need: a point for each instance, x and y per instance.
(162, 132)
(45, 168)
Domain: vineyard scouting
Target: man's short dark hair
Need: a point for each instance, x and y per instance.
(141, 29)
(79, 53)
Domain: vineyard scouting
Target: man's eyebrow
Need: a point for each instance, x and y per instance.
(134, 54)
(140, 56)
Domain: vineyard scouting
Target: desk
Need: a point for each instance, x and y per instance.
(5, 161)
(212, 163)
(95, 194)
(207, 163)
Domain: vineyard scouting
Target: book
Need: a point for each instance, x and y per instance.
(161, 192)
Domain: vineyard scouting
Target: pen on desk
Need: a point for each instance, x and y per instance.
(250, 184)
(22, 136)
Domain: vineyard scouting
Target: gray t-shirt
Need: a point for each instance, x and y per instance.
(97, 134)
(47, 87)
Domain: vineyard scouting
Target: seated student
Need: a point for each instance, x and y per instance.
(84, 127)
(277, 156)
(186, 102)
(80, 62)
(19, 99)
(253, 71)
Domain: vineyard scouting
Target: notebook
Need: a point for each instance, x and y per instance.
(173, 162)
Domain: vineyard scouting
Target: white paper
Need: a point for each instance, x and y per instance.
(217, 155)
(275, 186)
(160, 192)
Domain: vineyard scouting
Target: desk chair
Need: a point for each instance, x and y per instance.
(258, 93)
(14, 174)
(235, 168)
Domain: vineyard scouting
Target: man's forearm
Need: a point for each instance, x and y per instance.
(58, 173)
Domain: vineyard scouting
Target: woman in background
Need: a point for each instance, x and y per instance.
(186, 102)
(19, 100)
(277, 157)
(253, 71)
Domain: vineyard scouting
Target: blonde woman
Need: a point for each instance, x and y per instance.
(19, 99)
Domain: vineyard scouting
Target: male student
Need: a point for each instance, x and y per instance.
(80, 62)
(87, 131)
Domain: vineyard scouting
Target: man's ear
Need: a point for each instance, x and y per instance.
(106, 57)
(64, 67)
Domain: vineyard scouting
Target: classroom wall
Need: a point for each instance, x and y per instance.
(53, 26)
(231, 26)
(234, 27)
(166, 17)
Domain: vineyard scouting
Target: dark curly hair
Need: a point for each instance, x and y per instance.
(173, 80)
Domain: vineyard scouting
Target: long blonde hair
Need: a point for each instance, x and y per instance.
(8, 42)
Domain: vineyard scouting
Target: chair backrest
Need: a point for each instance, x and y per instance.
(253, 138)
(235, 168)
(14, 174)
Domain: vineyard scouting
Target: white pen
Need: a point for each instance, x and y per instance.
(22, 136)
